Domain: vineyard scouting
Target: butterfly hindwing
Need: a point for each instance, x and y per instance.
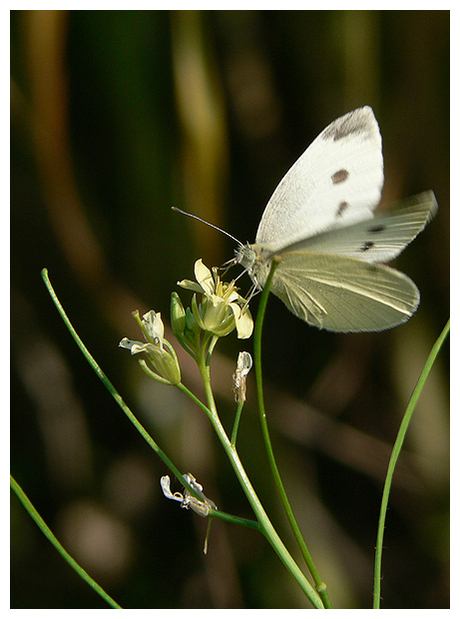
(344, 294)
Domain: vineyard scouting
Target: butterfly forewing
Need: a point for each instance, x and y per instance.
(337, 181)
(344, 294)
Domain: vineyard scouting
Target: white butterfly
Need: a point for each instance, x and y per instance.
(320, 223)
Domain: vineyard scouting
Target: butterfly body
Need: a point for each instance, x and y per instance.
(321, 225)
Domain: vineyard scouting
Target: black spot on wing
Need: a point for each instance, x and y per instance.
(342, 207)
(359, 121)
(340, 176)
(367, 245)
(375, 229)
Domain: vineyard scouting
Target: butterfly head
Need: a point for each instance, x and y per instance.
(255, 259)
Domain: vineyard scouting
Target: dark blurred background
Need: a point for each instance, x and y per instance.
(115, 117)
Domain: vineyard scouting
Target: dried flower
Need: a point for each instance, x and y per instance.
(187, 500)
(243, 367)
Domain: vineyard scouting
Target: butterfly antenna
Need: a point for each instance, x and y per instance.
(203, 221)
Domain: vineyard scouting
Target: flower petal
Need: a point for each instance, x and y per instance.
(131, 345)
(204, 277)
(243, 321)
(165, 483)
(189, 285)
(153, 327)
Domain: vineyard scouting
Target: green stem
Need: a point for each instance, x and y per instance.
(108, 385)
(262, 517)
(236, 423)
(210, 348)
(320, 585)
(394, 457)
(252, 524)
(53, 539)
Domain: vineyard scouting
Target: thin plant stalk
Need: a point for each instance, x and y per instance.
(56, 543)
(319, 584)
(111, 389)
(236, 423)
(261, 515)
(394, 457)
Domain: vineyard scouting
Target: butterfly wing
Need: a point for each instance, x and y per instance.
(339, 293)
(320, 221)
(379, 239)
(337, 181)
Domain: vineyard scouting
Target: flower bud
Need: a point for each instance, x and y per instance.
(177, 316)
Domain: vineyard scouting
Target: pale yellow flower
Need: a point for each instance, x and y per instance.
(222, 309)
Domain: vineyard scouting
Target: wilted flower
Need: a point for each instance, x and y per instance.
(222, 308)
(243, 367)
(159, 351)
(187, 500)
